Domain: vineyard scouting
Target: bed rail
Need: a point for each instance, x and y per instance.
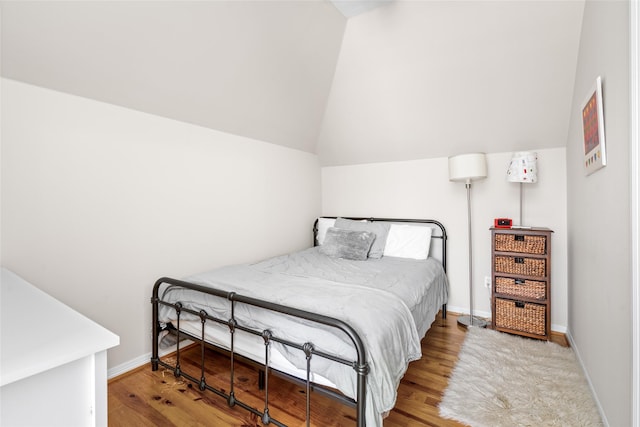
(359, 365)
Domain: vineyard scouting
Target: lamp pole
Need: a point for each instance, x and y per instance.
(470, 320)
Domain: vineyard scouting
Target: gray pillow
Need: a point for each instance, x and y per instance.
(380, 229)
(347, 244)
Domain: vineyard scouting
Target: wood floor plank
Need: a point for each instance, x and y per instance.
(146, 398)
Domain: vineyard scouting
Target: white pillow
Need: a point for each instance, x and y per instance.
(323, 226)
(408, 241)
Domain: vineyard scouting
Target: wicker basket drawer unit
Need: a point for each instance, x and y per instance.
(521, 316)
(521, 243)
(521, 291)
(521, 266)
(521, 288)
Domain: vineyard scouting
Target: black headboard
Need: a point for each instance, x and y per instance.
(438, 248)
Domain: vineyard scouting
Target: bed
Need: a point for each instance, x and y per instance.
(344, 317)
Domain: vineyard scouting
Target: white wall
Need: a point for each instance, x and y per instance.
(427, 79)
(600, 290)
(421, 189)
(99, 201)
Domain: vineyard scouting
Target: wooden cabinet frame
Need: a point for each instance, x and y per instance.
(530, 267)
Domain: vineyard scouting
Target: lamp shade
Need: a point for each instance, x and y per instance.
(523, 167)
(467, 167)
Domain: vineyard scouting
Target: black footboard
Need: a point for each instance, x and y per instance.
(359, 365)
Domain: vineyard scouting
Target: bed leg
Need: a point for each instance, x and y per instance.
(260, 379)
(444, 311)
(154, 350)
(155, 331)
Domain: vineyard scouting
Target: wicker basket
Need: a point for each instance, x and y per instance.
(521, 288)
(521, 265)
(521, 316)
(521, 243)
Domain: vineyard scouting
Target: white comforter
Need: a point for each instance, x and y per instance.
(373, 296)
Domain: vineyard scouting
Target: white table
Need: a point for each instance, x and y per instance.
(53, 360)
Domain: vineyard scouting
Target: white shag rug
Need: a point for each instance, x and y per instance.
(502, 380)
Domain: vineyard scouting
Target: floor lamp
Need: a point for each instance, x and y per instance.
(466, 168)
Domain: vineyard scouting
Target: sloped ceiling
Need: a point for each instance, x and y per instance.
(260, 69)
(437, 78)
(411, 79)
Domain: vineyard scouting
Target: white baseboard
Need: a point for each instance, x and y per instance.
(465, 310)
(586, 374)
(141, 360)
(128, 366)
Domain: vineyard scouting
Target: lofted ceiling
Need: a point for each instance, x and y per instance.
(260, 69)
(426, 79)
(409, 80)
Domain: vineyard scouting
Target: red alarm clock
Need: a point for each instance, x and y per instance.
(502, 222)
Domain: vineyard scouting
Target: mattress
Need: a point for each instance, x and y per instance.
(390, 302)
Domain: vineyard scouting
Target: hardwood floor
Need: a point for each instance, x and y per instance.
(147, 398)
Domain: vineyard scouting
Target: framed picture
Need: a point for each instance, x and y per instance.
(595, 156)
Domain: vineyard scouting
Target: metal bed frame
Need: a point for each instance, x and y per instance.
(359, 365)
